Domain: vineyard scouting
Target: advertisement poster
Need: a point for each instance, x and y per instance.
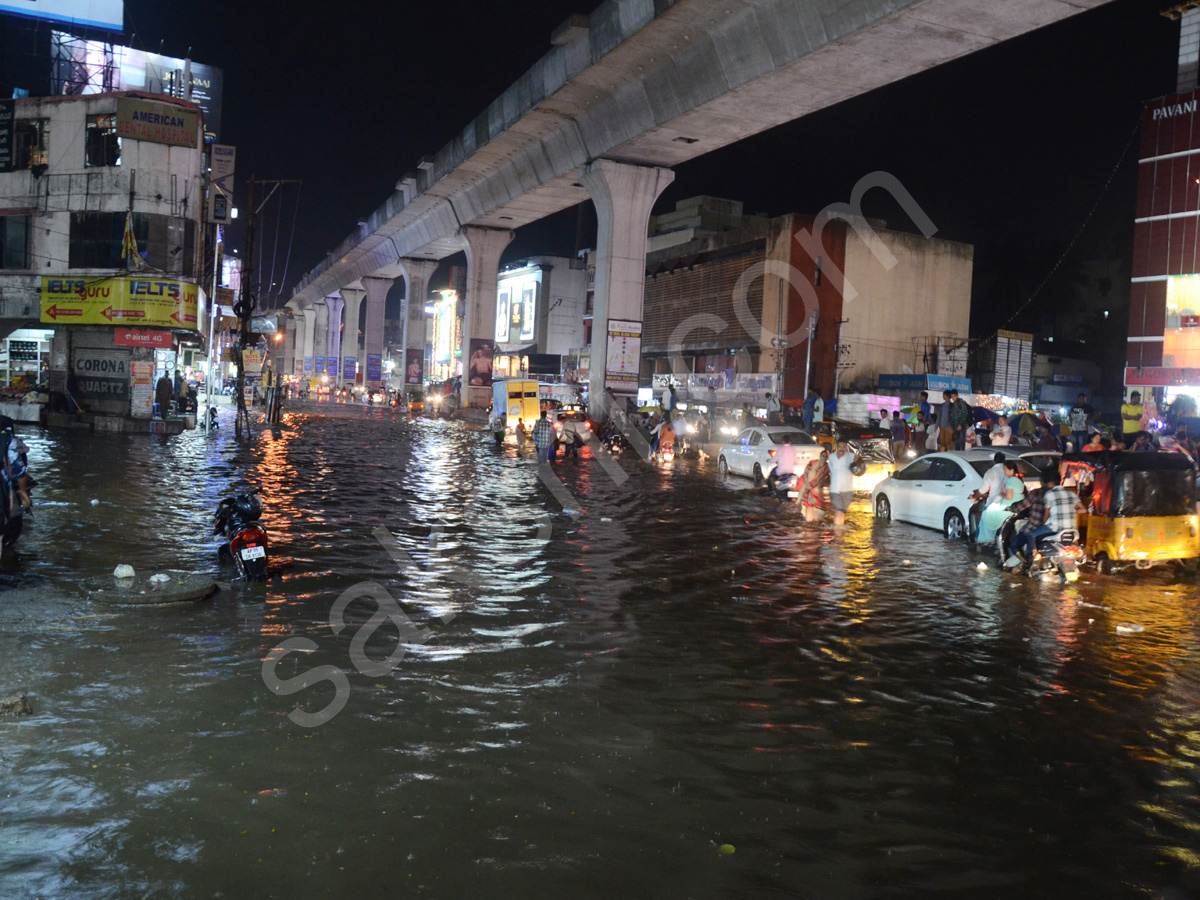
(502, 317)
(165, 302)
(479, 371)
(374, 368)
(349, 369)
(414, 364)
(527, 320)
(142, 401)
(319, 366)
(101, 376)
(308, 364)
(252, 361)
(159, 123)
(624, 357)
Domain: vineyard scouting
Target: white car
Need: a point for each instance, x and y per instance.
(752, 452)
(934, 490)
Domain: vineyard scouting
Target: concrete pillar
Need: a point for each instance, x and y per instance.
(287, 347)
(333, 339)
(623, 195)
(484, 247)
(417, 273)
(310, 333)
(321, 337)
(352, 298)
(376, 298)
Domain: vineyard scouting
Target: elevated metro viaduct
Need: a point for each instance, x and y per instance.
(622, 96)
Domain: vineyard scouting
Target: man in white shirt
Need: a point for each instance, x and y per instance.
(818, 409)
(1002, 433)
(841, 480)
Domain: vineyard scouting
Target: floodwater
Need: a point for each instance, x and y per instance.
(681, 692)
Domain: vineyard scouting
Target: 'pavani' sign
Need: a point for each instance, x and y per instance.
(160, 123)
(161, 302)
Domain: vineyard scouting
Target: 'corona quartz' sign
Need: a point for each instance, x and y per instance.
(148, 302)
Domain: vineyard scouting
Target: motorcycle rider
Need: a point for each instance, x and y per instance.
(1059, 507)
(987, 493)
(785, 464)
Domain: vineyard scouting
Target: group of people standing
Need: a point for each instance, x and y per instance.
(833, 470)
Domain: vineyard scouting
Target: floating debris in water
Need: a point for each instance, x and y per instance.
(123, 571)
(1130, 628)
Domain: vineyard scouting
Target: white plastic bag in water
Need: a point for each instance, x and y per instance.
(123, 571)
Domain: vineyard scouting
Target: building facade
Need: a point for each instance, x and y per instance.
(100, 240)
(1163, 348)
(737, 302)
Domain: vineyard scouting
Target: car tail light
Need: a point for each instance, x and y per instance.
(771, 453)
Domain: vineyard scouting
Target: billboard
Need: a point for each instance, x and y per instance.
(623, 361)
(7, 126)
(106, 14)
(96, 67)
(145, 302)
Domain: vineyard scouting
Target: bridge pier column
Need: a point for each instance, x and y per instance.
(484, 247)
(333, 339)
(623, 195)
(321, 337)
(352, 298)
(417, 273)
(287, 347)
(306, 347)
(376, 291)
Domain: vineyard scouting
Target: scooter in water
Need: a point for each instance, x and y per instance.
(784, 487)
(1056, 554)
(236, 520)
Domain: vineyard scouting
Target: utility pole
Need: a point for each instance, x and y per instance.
(244, 309)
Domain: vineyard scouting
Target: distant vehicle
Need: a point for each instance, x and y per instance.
(935, 490)
(416, 401)
(752, 453)
(571, 420)
(516, 399)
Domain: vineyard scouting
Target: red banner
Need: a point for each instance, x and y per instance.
(1161, 376)
(143, 337)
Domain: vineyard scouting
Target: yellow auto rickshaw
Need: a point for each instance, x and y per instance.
(1141, 507)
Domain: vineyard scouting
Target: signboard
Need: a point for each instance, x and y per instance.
(143, 337)
(159, 123)
(252, 361)
(221, 159)
(106, 14)
(1189, 321)
(308, 364)
(319, 365)
(164, 302)
(1161, 376)
(1014, 364)
(623, 360)
(349, 368)
(414, 366)
(374, 368)
(8, 113)
(101, 375)
(924, 383)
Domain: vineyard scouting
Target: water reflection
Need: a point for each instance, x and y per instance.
(605, 698)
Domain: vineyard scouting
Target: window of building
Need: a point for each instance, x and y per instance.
(587, 332)
(102, 146)
(14, 242)
(166, 243)
(31, 143)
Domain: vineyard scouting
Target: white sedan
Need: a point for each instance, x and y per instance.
(752, 452)
(935, 490)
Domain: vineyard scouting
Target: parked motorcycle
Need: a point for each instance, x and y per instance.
(236, 520)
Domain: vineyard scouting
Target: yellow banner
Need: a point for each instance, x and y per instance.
(161, 302)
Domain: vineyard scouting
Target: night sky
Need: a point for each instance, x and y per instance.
(1008, 149)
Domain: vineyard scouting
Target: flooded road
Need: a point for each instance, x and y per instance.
(683, 691)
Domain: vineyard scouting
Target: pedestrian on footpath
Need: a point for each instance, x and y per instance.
(543, 438)
(945, 422)
(774, 409)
